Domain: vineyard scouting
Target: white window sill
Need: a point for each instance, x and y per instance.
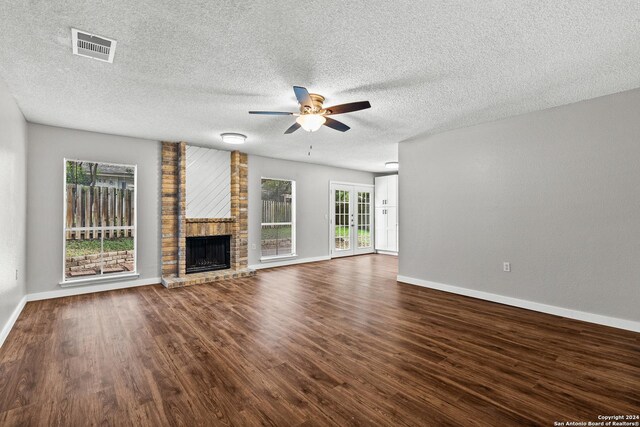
(99, 279)
(278, 258)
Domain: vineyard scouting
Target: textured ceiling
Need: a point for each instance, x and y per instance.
(187, 70)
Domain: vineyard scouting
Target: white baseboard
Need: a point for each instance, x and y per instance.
(271, 264)
(88, 289)
(386, 252)
(599, 319)
(12, 320)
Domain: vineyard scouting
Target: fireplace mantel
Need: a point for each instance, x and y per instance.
(176, 227)
(197, 227)
(208, 220)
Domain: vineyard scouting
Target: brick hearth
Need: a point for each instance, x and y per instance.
(176, 227)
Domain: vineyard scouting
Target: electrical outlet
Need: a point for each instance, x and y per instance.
(506, 267)
(253, 246)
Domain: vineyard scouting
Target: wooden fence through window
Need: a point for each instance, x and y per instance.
(274, 211)
(93, 206)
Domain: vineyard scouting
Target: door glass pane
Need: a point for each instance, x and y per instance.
(364, 219)
(342, 221)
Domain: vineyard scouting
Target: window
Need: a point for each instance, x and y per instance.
(99, 220)
(278, 233)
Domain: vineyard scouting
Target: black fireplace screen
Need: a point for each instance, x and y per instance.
(208, 253)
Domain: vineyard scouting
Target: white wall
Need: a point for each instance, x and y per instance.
(13, 166)
(208, 183)
(312, 202)
(48, 146)
(555, 192)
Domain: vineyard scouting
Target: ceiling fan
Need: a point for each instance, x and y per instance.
(313, 115)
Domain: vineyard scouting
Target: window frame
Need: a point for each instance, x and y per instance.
(101, 277)
(293, 223)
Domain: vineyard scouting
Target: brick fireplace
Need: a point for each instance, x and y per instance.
(176, 227)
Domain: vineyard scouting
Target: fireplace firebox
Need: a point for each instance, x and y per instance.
(208, 253)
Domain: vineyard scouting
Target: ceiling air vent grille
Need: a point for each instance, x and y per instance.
(92, 46)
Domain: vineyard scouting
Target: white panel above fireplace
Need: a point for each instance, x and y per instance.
(208, 183)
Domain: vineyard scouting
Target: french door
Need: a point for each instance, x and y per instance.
(351, 222)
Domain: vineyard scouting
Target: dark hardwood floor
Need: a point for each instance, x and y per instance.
(330, 343)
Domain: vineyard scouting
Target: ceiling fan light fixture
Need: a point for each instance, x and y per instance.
(312, 113)
(233, 138)
(311, 122)
(391, 165)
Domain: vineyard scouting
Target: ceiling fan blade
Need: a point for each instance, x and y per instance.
(302, 94)
(348, 108)
(294, 127)
(271, 113)
(334, 124)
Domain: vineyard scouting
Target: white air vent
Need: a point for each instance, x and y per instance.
(92, 46)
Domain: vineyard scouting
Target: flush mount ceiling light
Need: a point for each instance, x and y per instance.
(233, 138)
(391, 165)
(311, 122)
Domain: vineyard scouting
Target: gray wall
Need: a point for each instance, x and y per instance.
(48, 146)
(13, 165)
(555, 192)
(312, 201)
